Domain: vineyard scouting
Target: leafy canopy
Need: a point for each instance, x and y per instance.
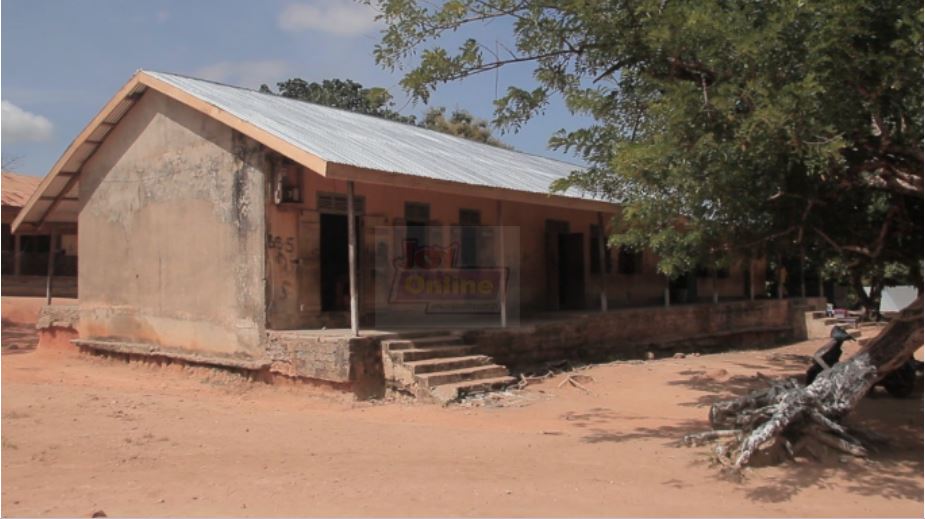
(343, 94)
(379, 102)
(722, 126)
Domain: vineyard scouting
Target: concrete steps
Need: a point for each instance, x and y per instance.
(405, 343)
(451, 392)
(446, 364)
(455, 376)
(441, 367)
(862, 331)
(432, 352)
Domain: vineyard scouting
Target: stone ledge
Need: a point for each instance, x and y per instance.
(153, 350)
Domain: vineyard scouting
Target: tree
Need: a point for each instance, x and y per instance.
(461, 124)
(722, 127)
(378, 102)
(10, 163)
(343, 94)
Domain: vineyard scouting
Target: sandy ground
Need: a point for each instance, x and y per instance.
(83, 433)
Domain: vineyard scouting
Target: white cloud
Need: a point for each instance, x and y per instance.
(338, 17)
(19, 125)
(246, 73)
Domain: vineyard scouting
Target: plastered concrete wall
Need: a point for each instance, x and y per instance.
(172, 234)
(354, 363)
(294, 270)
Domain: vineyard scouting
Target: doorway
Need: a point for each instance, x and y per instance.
(565, 267)
(683, 289)
(571, 271)
(335, 271)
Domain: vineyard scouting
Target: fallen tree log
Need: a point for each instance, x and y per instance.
(787, 416)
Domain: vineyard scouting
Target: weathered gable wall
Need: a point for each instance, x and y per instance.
(172, 234)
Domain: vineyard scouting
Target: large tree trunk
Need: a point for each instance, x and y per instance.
(871, 301)
(790, 414)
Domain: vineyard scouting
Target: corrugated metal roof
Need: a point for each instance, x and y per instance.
(363, 141)
(16, 188)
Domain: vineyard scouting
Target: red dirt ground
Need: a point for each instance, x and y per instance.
(84, 433)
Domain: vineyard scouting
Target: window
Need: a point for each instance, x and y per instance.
(704, 272)
(417, 217)
(7, 250)
(417, 213)
(34, 249)
(596, 254)
(7, 238)
(337, 203)
(469, 220)
(630, 261)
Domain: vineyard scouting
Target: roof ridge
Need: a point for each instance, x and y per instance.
(381, 119)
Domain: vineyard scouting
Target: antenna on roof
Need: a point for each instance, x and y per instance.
(497, 70)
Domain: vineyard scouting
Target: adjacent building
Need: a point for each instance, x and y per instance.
(26, 254)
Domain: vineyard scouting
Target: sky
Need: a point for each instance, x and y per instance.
(61, 61)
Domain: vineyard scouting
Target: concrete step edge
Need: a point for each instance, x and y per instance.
(449, 392)
(452, 376)
(446, 363)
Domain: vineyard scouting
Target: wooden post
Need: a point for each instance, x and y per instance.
(17, 254)
(503, 263)
(352, 261)
(602, 254)
(51, 263)
(667, 291)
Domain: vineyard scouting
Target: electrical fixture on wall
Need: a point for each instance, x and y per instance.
(287, 185)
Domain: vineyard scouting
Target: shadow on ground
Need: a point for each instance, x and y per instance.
(893, 470)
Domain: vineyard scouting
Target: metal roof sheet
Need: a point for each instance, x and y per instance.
(363, 141)
(17, 188)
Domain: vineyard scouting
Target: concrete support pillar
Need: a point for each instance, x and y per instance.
(352, 261)
(780, 282)
(602, 253)
(751, 279)
(17, 255)
(715, 291)
(502, 260)
(52, 252)
(802, 275)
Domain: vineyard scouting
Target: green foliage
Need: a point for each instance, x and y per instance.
(344, 94)
(378, 102)
(722, 126)
(461, 124)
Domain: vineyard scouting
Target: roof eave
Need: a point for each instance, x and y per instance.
(56, 170)
(373, 176)
(280, 145)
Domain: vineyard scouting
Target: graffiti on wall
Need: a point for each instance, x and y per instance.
(282, 253)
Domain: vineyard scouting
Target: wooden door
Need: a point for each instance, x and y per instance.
(571, 271)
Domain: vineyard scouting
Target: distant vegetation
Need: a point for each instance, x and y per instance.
(379, 102)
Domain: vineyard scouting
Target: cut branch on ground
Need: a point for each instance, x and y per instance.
(785, 415)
